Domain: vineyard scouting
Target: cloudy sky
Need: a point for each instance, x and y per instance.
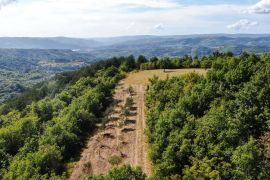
(99, 18)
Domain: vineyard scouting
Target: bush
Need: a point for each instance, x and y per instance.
(125, 172)
(115, 160)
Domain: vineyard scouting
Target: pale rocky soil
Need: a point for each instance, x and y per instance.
(126, 140)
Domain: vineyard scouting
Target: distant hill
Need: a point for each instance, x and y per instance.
(25, 61)
(46, 43)
(194, 45)
(21, 68)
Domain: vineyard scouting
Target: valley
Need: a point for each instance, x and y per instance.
(22, 68)
(134, 90)
(25, 61)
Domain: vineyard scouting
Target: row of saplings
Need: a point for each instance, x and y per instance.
(125, 113)
(125, 172)
(128, 105)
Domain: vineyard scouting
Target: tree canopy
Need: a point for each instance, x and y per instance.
(44, 128)
(214, 126)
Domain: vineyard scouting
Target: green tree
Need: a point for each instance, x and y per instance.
(164, 64)
(247, 159)
(125, 172)
(115, 160)
(141, 60)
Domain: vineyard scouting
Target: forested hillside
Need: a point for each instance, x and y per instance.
(191, 45)
(174, 45)
(21, 68)
(215, 126)
(44, 128)
(25, 61)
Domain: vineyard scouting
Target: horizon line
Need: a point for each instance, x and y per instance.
(149, 35)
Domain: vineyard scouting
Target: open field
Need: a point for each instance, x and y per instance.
(142, 77)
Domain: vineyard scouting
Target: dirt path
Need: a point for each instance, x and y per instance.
(141, 146)
(120, 137)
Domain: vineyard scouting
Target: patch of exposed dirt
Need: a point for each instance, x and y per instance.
(122, 137)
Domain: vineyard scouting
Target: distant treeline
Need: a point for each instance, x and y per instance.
(177, 63)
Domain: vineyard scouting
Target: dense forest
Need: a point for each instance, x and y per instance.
(199, 127)
(215, 126)
(43, 129)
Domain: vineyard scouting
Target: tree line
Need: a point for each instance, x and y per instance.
(180, 62)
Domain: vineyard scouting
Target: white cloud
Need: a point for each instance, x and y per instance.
(262, 7)
(6, 2)
(92, 18)
(159, 26)
(108, 4)
(149, 3)
(242, 24)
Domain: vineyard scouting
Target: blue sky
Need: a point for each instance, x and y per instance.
(103, 18)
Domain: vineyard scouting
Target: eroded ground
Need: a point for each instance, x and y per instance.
(123, 136)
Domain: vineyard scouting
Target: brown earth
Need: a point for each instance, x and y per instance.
(122, 136)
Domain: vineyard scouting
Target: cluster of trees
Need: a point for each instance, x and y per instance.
(44, 128)
(125, 172)
(215, 126)
(177, 63)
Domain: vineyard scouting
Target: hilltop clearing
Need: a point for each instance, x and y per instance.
(122, 138)
(142, 77)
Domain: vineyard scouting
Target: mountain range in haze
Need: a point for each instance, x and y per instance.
(25, 61)
(194, 45)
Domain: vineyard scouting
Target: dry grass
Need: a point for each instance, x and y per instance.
(142, 77)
